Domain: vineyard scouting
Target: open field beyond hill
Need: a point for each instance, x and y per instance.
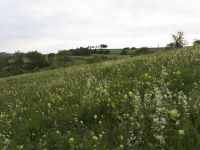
(146, 102)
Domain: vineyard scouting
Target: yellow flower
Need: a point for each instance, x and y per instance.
(181, 132)
(121, 137)
(113, 105)
(125, 96)
(95, 138)
(146, 75)
(178, 72)
(71, 140)
(95, 116)
(130, 94)
(21, 147)
(100, 136)
(103, 132)
(58, 132)
(173, 113)
(121, 146)
(49, 105)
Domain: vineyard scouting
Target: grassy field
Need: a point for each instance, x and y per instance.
(95, 58)
(148, 102)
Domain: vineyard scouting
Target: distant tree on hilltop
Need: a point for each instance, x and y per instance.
(103, 46)
(178, 40)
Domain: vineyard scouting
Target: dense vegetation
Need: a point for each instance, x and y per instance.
(21, 63)
(145, 102)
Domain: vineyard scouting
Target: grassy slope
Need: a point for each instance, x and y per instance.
(145, 102)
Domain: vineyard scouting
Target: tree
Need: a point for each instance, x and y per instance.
(142, 50)
(196, 42)
(178, 40)
(126, 48)
(124, 51)
(170, 46)
(103, 46)
(81, 51)
(133, 47)
(3, 63)
(35, 60)
(107, 52)
(63, 57)
(15, 64)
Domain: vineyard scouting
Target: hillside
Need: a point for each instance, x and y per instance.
(145, 102)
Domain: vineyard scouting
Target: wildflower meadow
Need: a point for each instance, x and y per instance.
(147, 102)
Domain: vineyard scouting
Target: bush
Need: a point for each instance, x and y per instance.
(196, 43)
(142, 50)
(97, 59)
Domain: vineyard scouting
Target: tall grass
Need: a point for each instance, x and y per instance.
(146, 102)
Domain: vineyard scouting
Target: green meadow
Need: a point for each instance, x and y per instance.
(146, 102)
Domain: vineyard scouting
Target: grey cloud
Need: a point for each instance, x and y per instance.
(49, 25)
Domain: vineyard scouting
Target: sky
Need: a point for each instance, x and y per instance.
(52, 25)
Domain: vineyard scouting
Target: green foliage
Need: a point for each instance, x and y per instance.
(133, 48)
(196, 43)
(20, 63)
(145, 102)
(14, 65)
(97, 59)
(3, 63)
(90, 50)
(125, 51)
(170, 46)
(35, 60)
(178, 41)
(142, 50)
(128, 51)
(81, 51)
(63, 58)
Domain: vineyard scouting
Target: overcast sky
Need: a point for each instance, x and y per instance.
(50, 25)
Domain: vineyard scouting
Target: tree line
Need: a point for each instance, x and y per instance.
(20, 63)
(86, 51)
